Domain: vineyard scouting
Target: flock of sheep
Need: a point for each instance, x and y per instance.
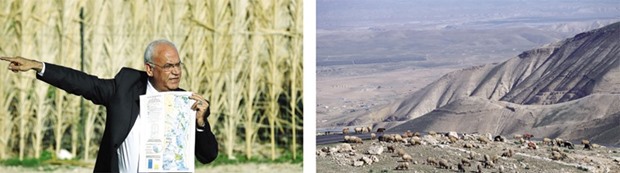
(394, 143)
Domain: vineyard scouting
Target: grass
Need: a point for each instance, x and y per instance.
(46, 165)
(47, 162)
(29, 162)
(222, 159)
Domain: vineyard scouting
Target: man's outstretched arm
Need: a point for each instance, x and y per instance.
(75, 82)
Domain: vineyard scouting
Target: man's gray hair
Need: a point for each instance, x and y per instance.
(150, 49)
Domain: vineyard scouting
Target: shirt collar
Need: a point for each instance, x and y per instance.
(150, 89)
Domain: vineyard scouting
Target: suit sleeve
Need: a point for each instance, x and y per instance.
(99, 91)
(206, 145)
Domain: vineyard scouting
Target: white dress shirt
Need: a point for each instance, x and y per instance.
(129, 151)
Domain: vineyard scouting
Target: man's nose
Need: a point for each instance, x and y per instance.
(176, 70)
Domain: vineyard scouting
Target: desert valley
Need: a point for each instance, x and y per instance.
(520, 68)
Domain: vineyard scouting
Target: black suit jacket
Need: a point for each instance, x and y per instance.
(120, 96)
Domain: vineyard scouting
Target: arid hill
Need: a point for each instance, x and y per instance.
(569, 89)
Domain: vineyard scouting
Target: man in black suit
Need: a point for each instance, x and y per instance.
(118, 150)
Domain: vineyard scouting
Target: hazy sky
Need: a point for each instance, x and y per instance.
(340, 14)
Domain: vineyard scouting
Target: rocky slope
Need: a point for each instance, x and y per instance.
(569, 89)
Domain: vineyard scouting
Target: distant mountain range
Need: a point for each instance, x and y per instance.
(569, 89)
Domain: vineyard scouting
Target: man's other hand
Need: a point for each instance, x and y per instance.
(201, 107)
(19, 64)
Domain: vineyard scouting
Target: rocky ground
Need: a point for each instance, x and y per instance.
(339, 157)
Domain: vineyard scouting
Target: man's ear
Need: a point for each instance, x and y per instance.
(149, 69)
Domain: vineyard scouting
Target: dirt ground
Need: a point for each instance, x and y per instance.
(601, 159)
(247, 167)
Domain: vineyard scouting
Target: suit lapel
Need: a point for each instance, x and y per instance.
(139, 89)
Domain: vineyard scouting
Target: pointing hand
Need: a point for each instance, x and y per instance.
(18, 64)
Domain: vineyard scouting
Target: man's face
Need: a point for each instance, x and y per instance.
(166, 71)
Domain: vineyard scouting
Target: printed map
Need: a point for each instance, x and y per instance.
(169, 132)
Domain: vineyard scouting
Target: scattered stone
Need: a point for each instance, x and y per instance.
(374, 159)
(398, 138)
(345, 148)
(432, 133)
(415, 141)
(489, 136)
(483, 140)
(375, 150)
(333, 150)
(352, 153)
(557, 155)
(430, 140)
(407, 158)
(468, 137)
(468, 145)
(367, 160)
(453, 134)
